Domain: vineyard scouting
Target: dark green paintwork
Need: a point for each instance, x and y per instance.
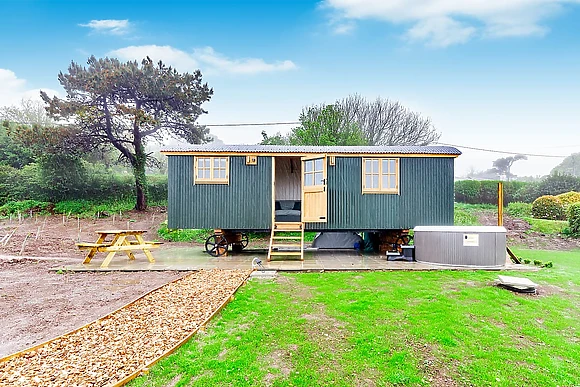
(246, 203)
(426, 196)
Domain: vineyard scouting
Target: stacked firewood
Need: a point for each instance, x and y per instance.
(119, 344)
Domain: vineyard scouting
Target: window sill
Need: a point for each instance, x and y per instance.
(211, 182)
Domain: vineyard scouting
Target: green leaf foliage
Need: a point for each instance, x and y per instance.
(519, 210)
(127, 104)
(548, 207)
(569, 198)
(557, 183)
(12, 152)
(574, 219)
(325, 126)
(486, 191)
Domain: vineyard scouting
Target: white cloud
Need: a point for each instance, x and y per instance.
(440, 32)
(169, 55)
(205, 58)
(441, 23)
(109, 26)
(14, 89)
(342, 26)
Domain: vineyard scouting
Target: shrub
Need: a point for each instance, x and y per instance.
(557, 183)
(519, 210)
(9, 179)
(548, 207)
(537, 262)
(464, 218)
(24, 207)
(549, 264)
(527, 261)
(485, 191)
(569, 198)
(574, 219)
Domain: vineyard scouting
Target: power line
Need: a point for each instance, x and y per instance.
(498, 151)
(440, 143)
(253, 124)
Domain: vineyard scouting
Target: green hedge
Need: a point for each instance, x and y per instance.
(485, 191)
(92, 184)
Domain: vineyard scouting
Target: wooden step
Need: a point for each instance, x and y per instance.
(286, 253)
(286, 246)
(287, 226)
(297, 238)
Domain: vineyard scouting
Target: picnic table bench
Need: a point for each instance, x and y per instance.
(120, 240)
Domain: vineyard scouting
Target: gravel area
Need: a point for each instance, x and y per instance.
(120, 344)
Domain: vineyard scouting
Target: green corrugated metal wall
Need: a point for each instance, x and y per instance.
(246, 203)
(426, 196)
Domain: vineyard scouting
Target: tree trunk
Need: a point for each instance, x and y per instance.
(140, 182)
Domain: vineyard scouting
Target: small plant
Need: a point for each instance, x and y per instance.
(519, 210)
(537, 262)
(548, 264)
(182, 234)
(527, 261)
(548, 207)
(464, 217)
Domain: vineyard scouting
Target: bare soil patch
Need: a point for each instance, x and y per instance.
(56, 235)
(437, 372)
(37, 304)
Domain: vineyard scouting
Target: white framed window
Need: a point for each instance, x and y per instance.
(380, 175)
(211, 170)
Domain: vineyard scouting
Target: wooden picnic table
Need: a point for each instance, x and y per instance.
(113, 241)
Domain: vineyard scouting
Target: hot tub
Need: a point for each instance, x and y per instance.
(470, 246)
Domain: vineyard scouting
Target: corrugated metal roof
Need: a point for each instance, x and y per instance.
(439, 150)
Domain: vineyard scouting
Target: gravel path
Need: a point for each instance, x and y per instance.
(121, 343)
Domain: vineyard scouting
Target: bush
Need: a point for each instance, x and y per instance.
(569, 198)
(557, 183)
(537, 262)
(574, 219)
(519, 210)
(485, 191)
(548, 207)
(9, 178)
(24, 207)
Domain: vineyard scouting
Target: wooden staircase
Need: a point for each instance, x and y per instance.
(282, 244)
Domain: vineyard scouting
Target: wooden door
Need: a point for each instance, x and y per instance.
(314, 192)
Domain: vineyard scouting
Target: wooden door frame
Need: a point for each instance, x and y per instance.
(324, 157)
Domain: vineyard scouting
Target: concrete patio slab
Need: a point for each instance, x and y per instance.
(194, 258)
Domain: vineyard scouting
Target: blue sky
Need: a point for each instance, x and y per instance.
(490, 74)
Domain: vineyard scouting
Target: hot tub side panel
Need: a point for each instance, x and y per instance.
(448, 248)
(243, 204)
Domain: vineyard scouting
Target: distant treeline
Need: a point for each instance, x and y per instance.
(93, 183)
(485, 191)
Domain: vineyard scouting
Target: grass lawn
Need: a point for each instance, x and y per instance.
(439, 328)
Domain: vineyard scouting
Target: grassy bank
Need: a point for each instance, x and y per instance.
(389, 328)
